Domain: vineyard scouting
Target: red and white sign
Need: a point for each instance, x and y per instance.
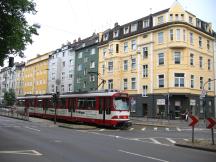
(211, 122)
(193, 120)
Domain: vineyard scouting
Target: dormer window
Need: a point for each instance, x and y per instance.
(182, 17)
(171, 17)
(126, 30)
(177, 17)
(146, 23)
(115, 33)
(134, 27)
(160, 20)
(106, 36)
(190, 20)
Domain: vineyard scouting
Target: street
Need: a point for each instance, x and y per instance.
(38, 141)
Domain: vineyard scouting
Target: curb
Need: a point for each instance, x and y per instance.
(76, 127)
(154, 125)
(195, 147)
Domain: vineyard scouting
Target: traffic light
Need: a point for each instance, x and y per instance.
(54, 98)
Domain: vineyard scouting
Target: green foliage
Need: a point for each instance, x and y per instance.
(15, 32)
(9, 97)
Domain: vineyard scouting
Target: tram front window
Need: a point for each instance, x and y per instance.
(121, 103)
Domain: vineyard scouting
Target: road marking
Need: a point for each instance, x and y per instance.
(170, 140)
(131, 129)
(57, 141)
(143, 129)
(178, 129)
(101, 130)
(144, 156)
(167, 129)
(154, 140)
(155, 129)
(32, 129)
(22, 152)
(186, 139)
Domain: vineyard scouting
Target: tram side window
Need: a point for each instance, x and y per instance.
(71, 105)
(40, 103)
(31, 102)
(100, 105)
(48, 103)
(21, 103)
(108, 105)
(62, 103)
(87, 103)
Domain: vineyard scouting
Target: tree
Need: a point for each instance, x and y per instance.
(15, 32)
(9, 97)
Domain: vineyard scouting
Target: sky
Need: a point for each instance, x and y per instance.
(65, 20)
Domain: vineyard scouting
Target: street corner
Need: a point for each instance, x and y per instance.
(205, 145)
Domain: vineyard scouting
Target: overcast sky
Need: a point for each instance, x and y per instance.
(66, 20)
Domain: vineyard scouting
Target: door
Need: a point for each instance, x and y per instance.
(104, 107)
(71, 106)
(145, 109)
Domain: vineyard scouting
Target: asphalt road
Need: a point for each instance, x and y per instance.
(42, 142)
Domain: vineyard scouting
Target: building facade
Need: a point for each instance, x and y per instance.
(19, 72)
(61, 69)
(163, 61)
(86, 65)
(36, 75)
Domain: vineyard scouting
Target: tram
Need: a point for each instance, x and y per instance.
(107, 108)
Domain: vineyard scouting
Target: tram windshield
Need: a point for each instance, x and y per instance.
(121, 103)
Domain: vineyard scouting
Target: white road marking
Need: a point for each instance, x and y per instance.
(167, 129)
(22, 152)
(154, 140)
(32, 129)
(186, 139)
(101, 130)
(131, 129)
(178, 129)
(57, 141)
(155, 129)
(144, 156)
(143, 129)
(170, 140)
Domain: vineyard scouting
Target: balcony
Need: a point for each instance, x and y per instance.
(177, 44)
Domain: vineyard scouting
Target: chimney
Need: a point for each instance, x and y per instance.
(11, 61)
(79, 39)
(116, 24)
(74, 41)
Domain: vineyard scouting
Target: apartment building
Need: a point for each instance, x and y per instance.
(36, 75)
(19, 79)
(163, 61)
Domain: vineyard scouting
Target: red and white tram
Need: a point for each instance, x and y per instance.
(100, 108)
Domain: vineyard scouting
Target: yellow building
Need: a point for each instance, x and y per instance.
(36, 75)
(165, 57)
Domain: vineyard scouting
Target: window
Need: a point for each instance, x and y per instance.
(133, 44)
(161, 58)
(115, 33)
(171, 17)
(160, 20)
(93, 51)
(191, 59)
(145, 89)
(104, 52)
(79, 67)
(85, 72)
(201, 61)
(133, 83)
(190, 20)
(63, 54)
(103, 69)
(70, 61)
(209, 64)
(117, 48)
(70, 74)
(133, 63)
(70, 87)
(146, 23)
(200, 42)
(106, 36)
(145, 71)
(133, 27)
(182, 17)
(92, 78)
(62, 88)
(177, 58)
(125, 46)
(201, 82)
(176, 17)
(171, 34)
(179, 79)
(78, 80)
(192, 81)
(161, 81)
(125, 65)
(110, 84)
(178, 34)
(125, 84)
(145, 52)
(63, 64)
(111, 48)
(84, 84)
(92, 64)
(184, 35)
(191, 38)
(63, 75)
(209, 84)
(126, 29)
(80, 55)
(208, 44)
(110, 66)
(160, 37)
(85, 59)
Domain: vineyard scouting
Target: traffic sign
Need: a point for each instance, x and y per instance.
(193, 120)
(211, 122)
(203, 93)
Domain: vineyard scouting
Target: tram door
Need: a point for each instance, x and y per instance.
(71, 105)
(104, 107)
